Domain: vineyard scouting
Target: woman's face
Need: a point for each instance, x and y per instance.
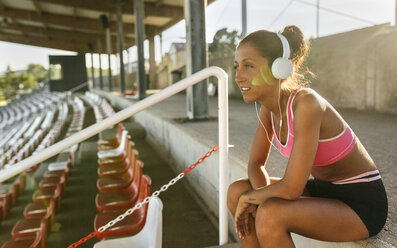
(252, 72)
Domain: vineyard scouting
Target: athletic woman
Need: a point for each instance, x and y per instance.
(345, 200)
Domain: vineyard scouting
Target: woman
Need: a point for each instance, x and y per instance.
(345, 201)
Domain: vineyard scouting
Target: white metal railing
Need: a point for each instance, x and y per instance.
(223, 129)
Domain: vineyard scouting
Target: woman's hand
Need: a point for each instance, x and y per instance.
(242, 216)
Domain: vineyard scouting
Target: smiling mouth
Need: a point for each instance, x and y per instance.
(245, 89)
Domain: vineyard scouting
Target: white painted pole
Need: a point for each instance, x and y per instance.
(223, 129)
(139, 106)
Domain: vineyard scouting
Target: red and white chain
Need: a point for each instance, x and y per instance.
(145, 201)
(140, 204)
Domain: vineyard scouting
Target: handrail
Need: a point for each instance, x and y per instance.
(223, 129)
(78, 87)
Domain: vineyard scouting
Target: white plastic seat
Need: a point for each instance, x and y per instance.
(151, 235)
(58, 166)
(117, 151)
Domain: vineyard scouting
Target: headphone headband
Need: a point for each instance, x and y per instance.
(282, 67)
(284, 42)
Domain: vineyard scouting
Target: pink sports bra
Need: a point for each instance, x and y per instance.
(329, 150)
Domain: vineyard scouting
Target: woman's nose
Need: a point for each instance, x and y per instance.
(239, 76)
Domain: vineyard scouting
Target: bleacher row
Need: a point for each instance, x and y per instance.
(25, 128)
(121, 183)
(33, 130)
(28, 105)
(25, 139)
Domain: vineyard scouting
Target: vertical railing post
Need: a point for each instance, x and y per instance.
(223, 156)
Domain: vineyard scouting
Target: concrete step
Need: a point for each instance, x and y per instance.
(136, 130)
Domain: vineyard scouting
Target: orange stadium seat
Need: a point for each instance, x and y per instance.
(131, 224)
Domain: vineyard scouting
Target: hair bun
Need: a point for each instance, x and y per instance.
(299, 47)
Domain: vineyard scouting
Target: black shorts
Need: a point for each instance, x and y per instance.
(367, 199)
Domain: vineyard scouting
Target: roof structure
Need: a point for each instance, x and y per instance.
(73, 24)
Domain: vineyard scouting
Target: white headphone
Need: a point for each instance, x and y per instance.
(282, 66)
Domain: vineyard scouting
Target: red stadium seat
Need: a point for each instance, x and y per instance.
(37, 209)
(131, 224)
(118, 161)
(113, 199)
(29, 226)
(112, 143)
(118, 169)
(47, 194)
(121, 182)
(53, 182)
(30, 242)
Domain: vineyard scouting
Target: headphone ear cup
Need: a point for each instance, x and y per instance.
(281, 68)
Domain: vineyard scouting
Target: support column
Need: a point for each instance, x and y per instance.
(105, 25)
(100, 63)
(120, 35)
(318, 18)
(152, 63)
(161, 46)
(109, 51)
(92, 70)
(395, 14)
(243, 17)
(196, 57)
(128, 61)
(140, 37)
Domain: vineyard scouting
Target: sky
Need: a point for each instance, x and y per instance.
(335, 16)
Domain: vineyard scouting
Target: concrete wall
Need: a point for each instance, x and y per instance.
(356, 69)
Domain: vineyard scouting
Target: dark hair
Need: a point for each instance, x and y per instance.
(270, 47)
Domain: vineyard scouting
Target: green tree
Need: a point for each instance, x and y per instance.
(224, 43)
(38, 72)
(12, 81)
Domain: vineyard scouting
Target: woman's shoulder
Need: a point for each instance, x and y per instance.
(308, 100)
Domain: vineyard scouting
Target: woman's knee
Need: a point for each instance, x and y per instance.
(236, 189)
(269, 215)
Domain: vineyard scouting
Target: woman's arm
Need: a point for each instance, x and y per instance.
(307, 121)
(260, 150)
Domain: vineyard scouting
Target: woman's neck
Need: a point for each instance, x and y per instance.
(273, 103)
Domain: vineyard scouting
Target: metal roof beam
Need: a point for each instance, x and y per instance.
(68, 21)
(110, 6)
(40, 13)
(34, 41)
(72, 36)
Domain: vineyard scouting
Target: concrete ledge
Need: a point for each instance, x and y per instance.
(181, 148)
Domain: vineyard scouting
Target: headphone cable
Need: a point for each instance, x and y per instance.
(267, 135)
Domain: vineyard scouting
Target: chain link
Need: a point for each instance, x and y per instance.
(147, 199)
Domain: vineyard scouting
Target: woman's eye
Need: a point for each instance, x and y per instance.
(249, 66)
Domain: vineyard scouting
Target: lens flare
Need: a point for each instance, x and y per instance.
(261, 79)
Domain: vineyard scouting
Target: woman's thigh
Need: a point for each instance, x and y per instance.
(317, 218)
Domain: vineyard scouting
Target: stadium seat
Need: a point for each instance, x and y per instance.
(116, 152)
(149, 237)
(48, 194)
(113, 142)
(123, 181)
(120, 198)
(34, 241)
(29, 226)
(131, 224)
(38, 209)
